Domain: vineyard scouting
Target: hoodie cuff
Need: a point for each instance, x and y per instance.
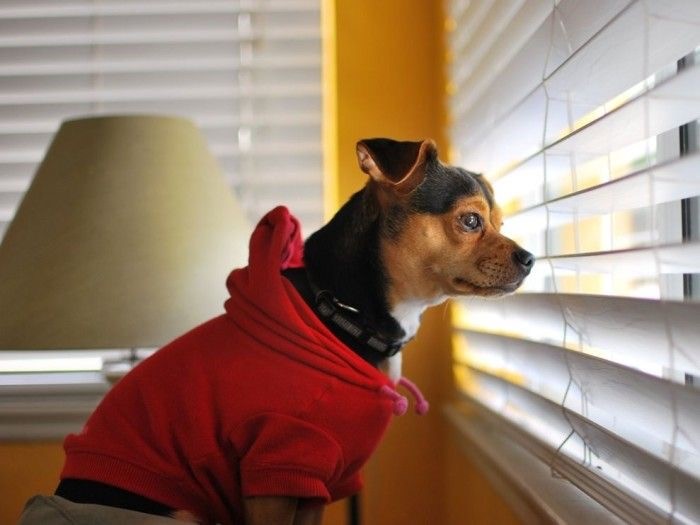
(348, 488)
(290, 483)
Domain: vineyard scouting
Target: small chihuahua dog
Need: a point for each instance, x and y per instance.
(419, 232)
(269, 411)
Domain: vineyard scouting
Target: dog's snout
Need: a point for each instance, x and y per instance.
(524, 259)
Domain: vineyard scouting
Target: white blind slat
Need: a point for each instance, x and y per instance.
(664, 182)
(630, 332)
(161, 64)
(482, 39)
(472, 15)
(231, 121)
(44, 10)
(481, 74)
(152, 37)
(159, 93)
(673, 259)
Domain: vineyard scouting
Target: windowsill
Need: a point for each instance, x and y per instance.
(522, 478)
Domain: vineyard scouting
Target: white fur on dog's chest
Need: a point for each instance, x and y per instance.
(407, 314)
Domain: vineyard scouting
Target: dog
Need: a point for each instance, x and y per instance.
(269, 411)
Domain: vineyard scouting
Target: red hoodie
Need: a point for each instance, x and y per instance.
(260, 401)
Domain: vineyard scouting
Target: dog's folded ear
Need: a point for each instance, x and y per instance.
(400, 165)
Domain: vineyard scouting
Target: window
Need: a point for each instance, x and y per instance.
(584, 117)
(247, 72)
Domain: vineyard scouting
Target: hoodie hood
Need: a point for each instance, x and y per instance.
(266, 305)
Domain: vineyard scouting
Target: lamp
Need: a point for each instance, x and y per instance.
(124, 239)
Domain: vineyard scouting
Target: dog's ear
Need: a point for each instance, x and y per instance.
(400, 165)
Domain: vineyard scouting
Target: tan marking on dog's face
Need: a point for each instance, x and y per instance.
(435, 256)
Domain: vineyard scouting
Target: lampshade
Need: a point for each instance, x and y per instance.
(124, 239)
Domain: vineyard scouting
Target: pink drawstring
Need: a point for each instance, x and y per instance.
(422, 405)
(401, 403)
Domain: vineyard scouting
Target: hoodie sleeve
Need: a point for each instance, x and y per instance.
(285, 456)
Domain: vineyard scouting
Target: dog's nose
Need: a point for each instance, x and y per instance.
(524, 259)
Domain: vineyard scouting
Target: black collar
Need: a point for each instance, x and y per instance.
(346, 322)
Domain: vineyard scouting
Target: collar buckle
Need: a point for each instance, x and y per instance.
(330, 308)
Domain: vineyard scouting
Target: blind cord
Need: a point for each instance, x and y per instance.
(554, 472)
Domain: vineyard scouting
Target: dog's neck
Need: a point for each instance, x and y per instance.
(344, 257)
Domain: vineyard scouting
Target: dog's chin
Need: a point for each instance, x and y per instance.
(462, 286)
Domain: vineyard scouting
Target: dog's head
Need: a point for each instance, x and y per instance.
(441, 228)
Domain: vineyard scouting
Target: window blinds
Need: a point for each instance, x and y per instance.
(583, 115)
(247, 72)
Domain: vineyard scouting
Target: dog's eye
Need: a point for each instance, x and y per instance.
(470, 222)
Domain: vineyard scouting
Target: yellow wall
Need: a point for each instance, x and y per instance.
(26, 469)
(389, 77)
